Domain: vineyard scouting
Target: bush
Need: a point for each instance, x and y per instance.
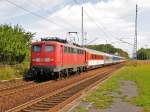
(14, 44)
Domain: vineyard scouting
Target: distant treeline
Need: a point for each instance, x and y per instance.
(14, 44)
(143, 54)
(108, 48)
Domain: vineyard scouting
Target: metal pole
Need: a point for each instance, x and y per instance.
(146, 52)
(106, 47)
(82, 29)
(135, 38)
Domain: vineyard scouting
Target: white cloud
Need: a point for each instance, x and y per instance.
(8, 10)
(144, 3)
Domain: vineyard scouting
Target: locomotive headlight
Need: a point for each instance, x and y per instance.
(36, 59)
(47, 59)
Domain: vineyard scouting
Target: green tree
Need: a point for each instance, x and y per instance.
(143, 54)
(14, 44)
(108, 48)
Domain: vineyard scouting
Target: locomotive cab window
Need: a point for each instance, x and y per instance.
(49, 48)
(36, 48)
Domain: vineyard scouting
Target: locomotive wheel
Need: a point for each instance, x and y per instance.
(78, 71)
(55, 77)
(66, 73)
(59, 74)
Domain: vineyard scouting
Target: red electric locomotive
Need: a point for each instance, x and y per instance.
(54, 57)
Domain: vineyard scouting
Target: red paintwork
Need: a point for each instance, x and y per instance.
(58, 56)
(91, 56)
(42, 54)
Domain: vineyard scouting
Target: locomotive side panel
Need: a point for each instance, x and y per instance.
(73, 57)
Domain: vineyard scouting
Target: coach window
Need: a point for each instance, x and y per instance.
(49, 48)
(74, 50)
(69, 50)
(92, 56)
(36, 48)
(65, 49)
(78, 51)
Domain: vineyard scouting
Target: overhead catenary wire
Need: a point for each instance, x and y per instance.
(64, 21)
(98, 26)
(120, 39)
(91, 18)
(36, 5)
(35, 14)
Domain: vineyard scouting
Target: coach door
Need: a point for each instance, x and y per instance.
(61, 55)
(85, 56)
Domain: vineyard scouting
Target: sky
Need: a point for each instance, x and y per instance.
(105, 21)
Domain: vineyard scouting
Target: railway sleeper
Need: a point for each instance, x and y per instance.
(36, 109)
(52, 105)
(43, 105)
(55, 101)
(60, 96)
(46, 107)
(50, 102)
(28, 110)
(59, 99)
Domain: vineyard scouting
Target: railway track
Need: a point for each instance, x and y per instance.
(15, 86)
(54, 100)
(18, 88)
(8, 85)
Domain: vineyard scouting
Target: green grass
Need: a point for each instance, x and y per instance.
(140, 74)
(10, 72)
(99, 98)
(80, 109)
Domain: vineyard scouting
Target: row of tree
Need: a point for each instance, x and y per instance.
(108, 48)
(14, 44)
(143, 54)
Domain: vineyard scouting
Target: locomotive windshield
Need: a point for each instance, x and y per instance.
(36, 48)
(49, 48)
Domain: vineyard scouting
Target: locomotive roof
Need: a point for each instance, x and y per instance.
(54, 42)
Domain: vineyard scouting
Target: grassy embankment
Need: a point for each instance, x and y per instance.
(140, 74)
(8, 72)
